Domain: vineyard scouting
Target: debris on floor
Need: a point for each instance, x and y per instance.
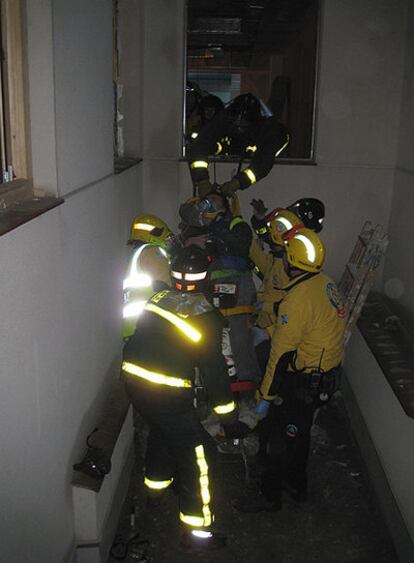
(340, 522)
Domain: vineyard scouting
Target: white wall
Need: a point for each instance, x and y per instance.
(60, 283)
(392, 434)
(399, 268)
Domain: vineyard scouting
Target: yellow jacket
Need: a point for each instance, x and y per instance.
(148, 264)
(311, 323)
(274, 285)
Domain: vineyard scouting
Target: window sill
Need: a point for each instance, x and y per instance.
(20, 212)
(284, 161)
(390, 339)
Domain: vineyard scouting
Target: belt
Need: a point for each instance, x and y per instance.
(239, 310)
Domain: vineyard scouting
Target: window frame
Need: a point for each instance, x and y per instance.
(14, 115)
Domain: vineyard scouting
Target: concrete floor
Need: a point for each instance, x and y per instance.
(340, 523)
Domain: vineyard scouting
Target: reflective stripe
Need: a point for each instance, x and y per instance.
(181, 324)
(219, 148)
(157, 485)
(195, 521)
(154, 377)
(195, 277)
(310, 249)
(194, 135)
(206, 519)
(201, 533)
(251, 148)
(225, 409)
(283, 147)
(262, 231)
(135, 281)
(135, 271)
(285, 222)
(235, 221)
(250, 174)
(144, 226)
(133, 309)
(204, 482)
(199, 164)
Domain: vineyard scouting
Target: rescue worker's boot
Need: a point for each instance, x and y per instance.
(200, 541)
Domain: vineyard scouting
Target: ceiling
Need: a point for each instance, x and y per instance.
(218, 27)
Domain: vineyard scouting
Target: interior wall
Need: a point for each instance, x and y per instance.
(130, 46)
(399, 266)
(61, 281)
(82, 34)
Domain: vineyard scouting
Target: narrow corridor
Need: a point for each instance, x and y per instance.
(340, 523)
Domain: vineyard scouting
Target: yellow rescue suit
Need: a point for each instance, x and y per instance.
(310, 323)
(274, 285)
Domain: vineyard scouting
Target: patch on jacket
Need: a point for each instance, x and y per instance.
(283, 319)
(335, 299)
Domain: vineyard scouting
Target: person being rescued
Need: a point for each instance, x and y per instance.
(227, 237)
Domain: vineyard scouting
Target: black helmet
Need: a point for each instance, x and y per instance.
(209, 106)
(189, 269)
(311, 212)
(244, 110)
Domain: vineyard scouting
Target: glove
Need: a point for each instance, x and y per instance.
(259, 209)
(259, 225)
(228, 188)
(236, 429)
(204, 187)
(262, 408)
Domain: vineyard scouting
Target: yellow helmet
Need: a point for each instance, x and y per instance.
(304, 249)
(281, 222)
(149, 228)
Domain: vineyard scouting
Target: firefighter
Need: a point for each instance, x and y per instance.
(148, 269)
(270, 228)
(245, 127)
(228, 240)
(178, 331)
(207, 107)
(302, 373)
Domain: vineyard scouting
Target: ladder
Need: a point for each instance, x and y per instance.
(359, 273)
